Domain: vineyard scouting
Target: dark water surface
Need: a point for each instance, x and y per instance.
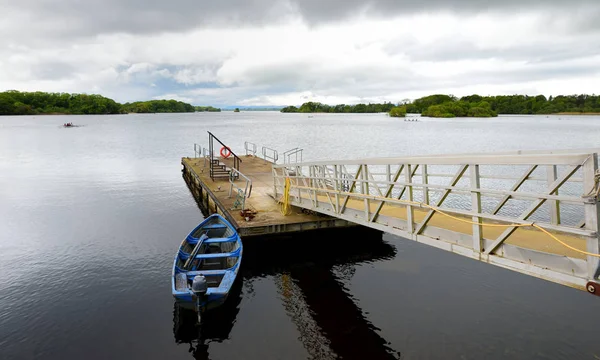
(91, 217)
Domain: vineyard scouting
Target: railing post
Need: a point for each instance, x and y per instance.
(337, 188)
(476, 208)
(592, 214)
(554, 204)
(409, 195)
(425, 180)
(365, 189)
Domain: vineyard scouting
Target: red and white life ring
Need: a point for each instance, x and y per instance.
(225, 152)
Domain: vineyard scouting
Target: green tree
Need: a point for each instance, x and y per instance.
(398, 111)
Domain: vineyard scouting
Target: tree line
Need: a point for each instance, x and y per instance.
(34, 103)
(506, 104)
(440, 105)
(207, 108)
(317, 107)
(158, 106)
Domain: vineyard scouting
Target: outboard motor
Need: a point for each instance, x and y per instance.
(199, 288)
(199, 285)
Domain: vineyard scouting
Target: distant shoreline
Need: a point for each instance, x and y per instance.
(577, 113)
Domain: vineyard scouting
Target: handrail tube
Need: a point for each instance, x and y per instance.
(274, 157)
(288, 154)
(250, 147)
(220, 142)
(236, 159)
(557, 159)
(247, 190)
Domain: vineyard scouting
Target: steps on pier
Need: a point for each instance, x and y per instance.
(218, 170)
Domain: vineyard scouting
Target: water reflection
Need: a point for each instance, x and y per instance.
(309, 270)
(216, 324)
(310, 273)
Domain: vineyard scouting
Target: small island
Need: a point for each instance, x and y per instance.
(449, 106)
(42, 103)
(207, 109)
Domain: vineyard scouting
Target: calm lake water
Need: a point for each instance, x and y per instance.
(91, 217)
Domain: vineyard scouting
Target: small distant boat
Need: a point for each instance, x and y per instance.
(206, 265)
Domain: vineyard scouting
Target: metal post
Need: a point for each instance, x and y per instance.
(554, 205)
(409, 195)
(365, 190)
(592, 214)
(314, 184)
(337, 188)
(425, 180)
(476, 208)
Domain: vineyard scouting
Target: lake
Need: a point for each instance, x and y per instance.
(91, 218)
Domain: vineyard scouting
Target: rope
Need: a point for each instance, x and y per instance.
(284, 202)
(596, 189)
(534, 225)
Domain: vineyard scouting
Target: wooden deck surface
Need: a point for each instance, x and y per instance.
(261, 199)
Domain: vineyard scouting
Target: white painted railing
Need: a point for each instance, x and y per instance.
(244, 191)
(250, 148)
(535, 212)
(270, 154)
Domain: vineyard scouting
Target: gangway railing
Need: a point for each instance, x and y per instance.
(243, 192)
(535, 213)
(292, 155)
(270, 154)
(250, 148)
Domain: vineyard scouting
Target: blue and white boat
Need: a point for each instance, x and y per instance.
(206, 265)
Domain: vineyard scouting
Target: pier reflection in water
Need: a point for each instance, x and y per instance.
(309, 270)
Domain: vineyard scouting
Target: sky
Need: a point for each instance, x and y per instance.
(287, 52)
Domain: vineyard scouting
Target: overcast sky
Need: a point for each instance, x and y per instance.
(275, 52)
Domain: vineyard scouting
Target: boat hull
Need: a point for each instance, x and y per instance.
(192, 263)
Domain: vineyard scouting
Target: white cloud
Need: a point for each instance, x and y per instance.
(365, 59)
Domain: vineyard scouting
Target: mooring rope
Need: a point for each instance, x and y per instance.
(285, 207)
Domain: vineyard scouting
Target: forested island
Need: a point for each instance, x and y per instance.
(207, 108)
(157, 106)
(449, 106)
(316, 107)
(41, 103)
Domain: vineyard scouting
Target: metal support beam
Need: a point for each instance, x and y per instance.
(445, 194)
(476, 208)
(536, 204)
(551, 172)
(515, 187)
(409, 197)
(592, 214)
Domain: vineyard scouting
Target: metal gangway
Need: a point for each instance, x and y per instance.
(534, 212)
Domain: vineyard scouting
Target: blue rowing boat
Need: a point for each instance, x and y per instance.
(206, 265)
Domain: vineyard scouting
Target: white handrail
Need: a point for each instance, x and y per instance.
(250, 148)
(245, 191)
(270, 154)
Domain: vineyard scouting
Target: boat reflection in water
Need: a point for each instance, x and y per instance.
(309, 270)
(216, 324)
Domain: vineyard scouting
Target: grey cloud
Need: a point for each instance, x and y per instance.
(80, 18)
(454, 50)
(53, 70)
